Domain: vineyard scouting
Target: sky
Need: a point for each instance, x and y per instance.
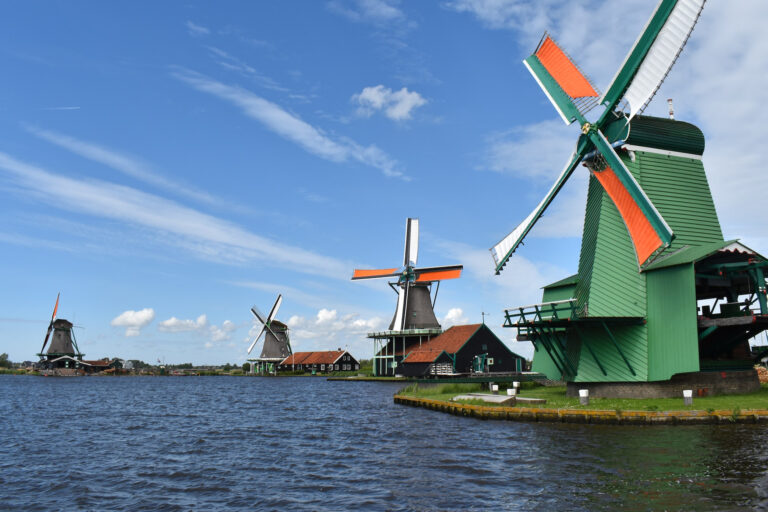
(167, 165)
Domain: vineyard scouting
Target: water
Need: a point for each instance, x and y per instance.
(225, 443)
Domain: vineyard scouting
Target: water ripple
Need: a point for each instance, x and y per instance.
(218, 443)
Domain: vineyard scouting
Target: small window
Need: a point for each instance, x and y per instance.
(336, 367)
(485, 347)
(357, 367)
(322, 367)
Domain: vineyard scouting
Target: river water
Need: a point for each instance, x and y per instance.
(226, 443)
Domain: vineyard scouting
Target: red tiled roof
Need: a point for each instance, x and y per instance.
(423, 356)
(317, 357)
(450, 341)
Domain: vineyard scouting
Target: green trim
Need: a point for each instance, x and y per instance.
(635, 58)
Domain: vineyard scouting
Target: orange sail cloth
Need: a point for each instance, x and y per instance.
(439, 275)
(373, 273)
(563, 70)
(641, 231)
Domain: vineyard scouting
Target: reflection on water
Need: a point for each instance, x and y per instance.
(223, 443)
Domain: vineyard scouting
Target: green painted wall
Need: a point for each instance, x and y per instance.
(544, 365)
(679, 189)
(672, 328)
(559, 293)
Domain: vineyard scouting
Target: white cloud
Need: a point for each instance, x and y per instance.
(368, 11)
(123, 163)
(214, 333)
(197, 30)
(397, 105)
(292, 128)
(329, 328)
(205, 235)
(222, 333)
(325, 316)
(455, 316)
(134, 321)
(174, 324)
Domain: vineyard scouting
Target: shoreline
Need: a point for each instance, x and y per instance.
(590, 416)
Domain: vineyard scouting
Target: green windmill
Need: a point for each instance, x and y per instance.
(660, 299)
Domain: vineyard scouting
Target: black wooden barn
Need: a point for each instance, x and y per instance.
(462, 349)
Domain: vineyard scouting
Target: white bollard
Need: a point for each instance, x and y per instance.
(495, 389)
(584, 396)
(516, 385)
(688, 397)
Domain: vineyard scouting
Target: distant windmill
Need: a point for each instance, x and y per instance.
(414, 321)
(415, 307)
(63, 352)
(277, 345)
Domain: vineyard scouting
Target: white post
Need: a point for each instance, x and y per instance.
(495, 389)
(584, 396)
(688, 397)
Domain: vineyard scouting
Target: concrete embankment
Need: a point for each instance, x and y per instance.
(616, 417)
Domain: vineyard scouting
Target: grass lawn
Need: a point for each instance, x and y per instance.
(556, 399)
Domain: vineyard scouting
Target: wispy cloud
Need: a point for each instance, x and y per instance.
(207, 236)
(200, 326)
(396, 105)
(232, 63)
(368, 11)
(120, 162)
(292, 128)
(196, 30)
(60, 108)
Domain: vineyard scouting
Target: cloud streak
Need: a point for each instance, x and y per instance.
(206, 235)
(292, 128)
(120, 162)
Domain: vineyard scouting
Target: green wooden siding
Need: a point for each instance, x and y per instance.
(559, 293)
(543, 364)
(632, 341)
(672, 329)
(588, 242)
(679, 189)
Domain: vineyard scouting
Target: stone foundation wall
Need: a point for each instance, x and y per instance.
(702, 384)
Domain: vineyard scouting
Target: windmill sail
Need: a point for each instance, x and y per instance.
(569, 90)
(571, 93)
(411, 254)
(502, 251)
(50, 326)
(653, 54)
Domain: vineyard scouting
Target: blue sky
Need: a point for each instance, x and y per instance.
(166, 165)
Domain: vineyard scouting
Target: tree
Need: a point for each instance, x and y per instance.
(246, 367)
(4, 362)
